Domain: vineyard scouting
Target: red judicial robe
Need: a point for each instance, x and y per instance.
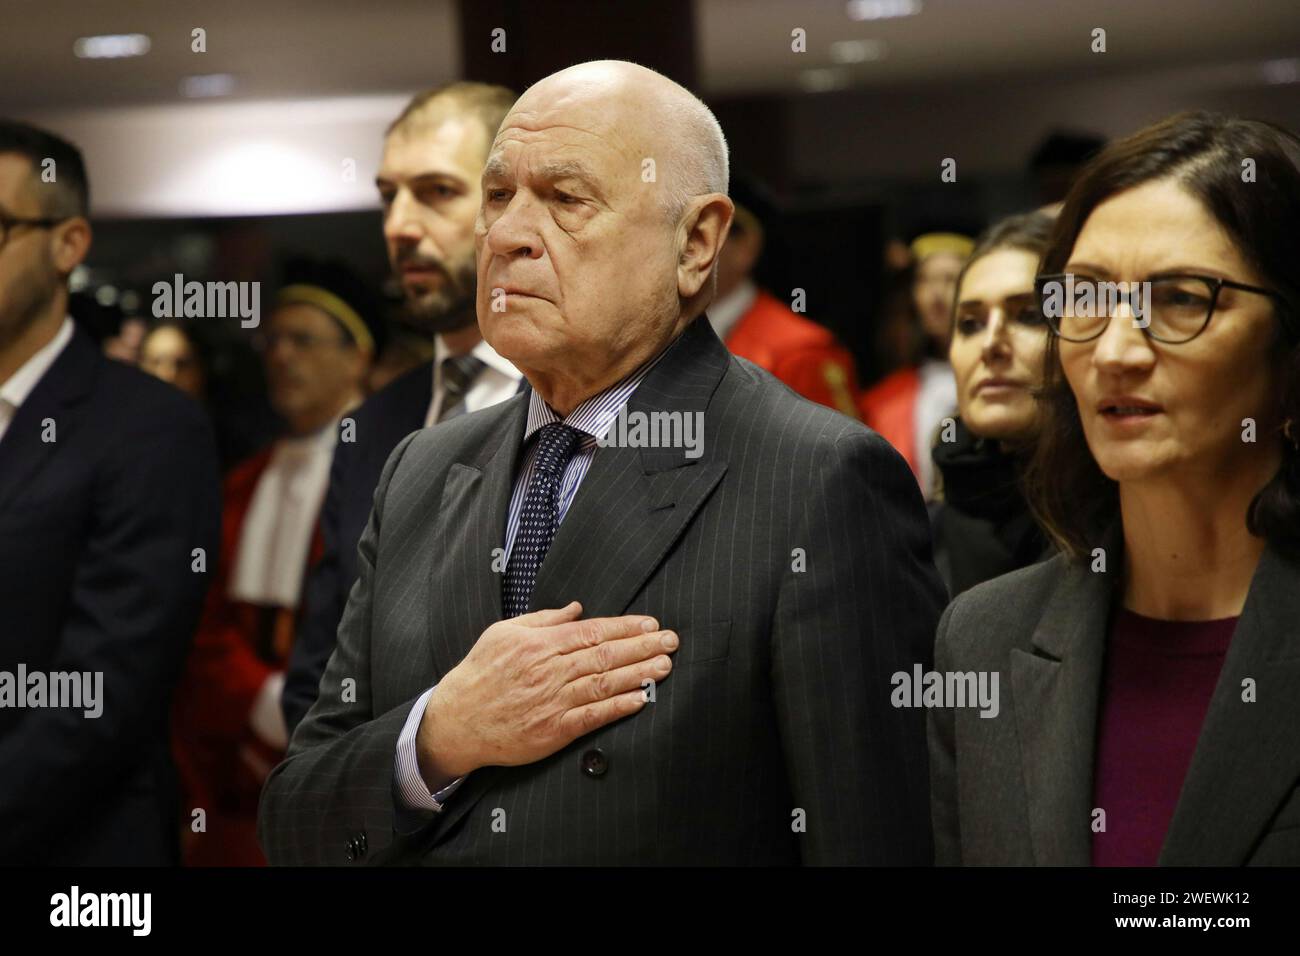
(221, 761)
(798, 351)
(889, 408)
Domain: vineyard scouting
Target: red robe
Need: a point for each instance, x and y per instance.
(213, 743)
(798, 351)
(889, 407)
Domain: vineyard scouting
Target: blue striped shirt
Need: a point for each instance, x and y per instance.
(593, 418)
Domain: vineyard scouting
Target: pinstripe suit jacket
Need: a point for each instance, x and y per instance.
(793, 559)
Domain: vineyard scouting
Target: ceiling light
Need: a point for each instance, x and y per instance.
(207, 84)
(882, 9)
(857, 51)
(1281, 71)
(111, 46)
(823, 80)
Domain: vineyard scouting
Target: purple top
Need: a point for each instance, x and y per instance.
(1156, 686)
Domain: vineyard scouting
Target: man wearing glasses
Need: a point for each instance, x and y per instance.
(108, 511)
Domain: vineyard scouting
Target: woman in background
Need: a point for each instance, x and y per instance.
(172, 351)
(1150, 691)
(982, 524)
(906, 406)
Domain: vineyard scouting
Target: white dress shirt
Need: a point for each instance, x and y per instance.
(20, 384)
(495, 383)
(276, 536)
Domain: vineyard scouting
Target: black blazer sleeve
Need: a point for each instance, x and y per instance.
(133, 607)
(864, 609)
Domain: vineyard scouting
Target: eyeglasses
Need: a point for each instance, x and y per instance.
(7, 223)
(1173, 308)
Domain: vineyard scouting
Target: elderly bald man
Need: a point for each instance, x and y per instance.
(581, 637)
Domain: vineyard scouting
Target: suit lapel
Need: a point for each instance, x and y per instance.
(1055, 687)
(465, 584)
(618, 530)
(635, 502)
(1247, 757)
(65, 384)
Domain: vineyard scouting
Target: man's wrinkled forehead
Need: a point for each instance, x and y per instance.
(573, 132)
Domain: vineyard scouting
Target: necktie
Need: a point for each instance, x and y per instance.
(540, 516)
(458, 373)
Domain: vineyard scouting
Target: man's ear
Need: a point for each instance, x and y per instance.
(69, 244)
(705, 227)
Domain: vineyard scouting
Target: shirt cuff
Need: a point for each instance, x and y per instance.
(410, 785)
(266, 718)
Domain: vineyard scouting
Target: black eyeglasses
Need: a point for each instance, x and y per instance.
(8, 222)
(1173, 308)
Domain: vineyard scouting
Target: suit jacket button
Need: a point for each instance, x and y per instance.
(361, 843)
(352, 851)
(595, 763)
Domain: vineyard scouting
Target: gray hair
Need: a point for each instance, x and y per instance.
(698, 159)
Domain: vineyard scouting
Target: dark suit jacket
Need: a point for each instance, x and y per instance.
(382, 421)
(1017, 789)
(96, 534)
(776, 717)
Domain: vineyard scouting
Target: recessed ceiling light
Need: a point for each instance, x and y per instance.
(111, 46)
(823, 80)
(207, 84)
(882, 9)
(1281, 71)
(857, 51)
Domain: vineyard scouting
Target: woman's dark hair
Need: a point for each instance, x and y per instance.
(1027, 231)
(1246, 173)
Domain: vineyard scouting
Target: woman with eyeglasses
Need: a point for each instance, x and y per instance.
(982, 524)
(1149, 675)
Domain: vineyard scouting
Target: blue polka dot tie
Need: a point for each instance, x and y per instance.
(556, 444)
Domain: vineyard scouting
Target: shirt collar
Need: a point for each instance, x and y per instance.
(724, 313)
(593, 417)
(21, 383)
(481, 351)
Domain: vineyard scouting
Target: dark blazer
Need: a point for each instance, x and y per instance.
(382, 421)
(1016, 789)
(96, 534)
(773, 741)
